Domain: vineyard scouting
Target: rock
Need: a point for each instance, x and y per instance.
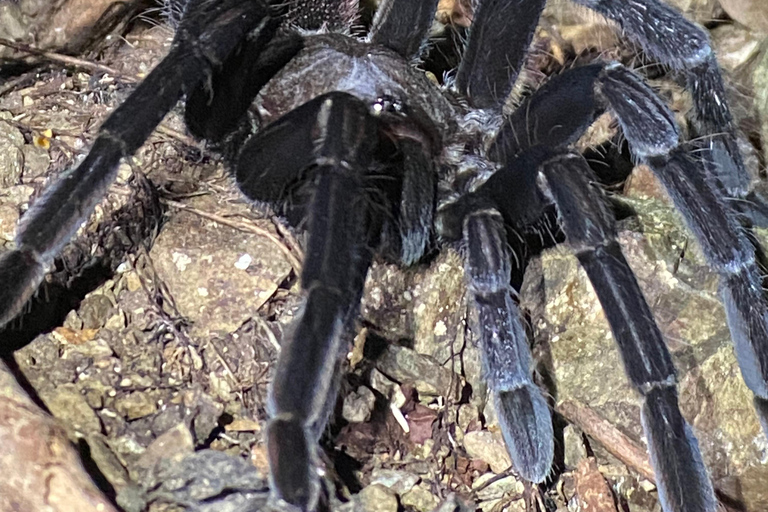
(574, 446)
(489, 448)
(760, 86)
(94, 310)
(507, 486)
(700, 11)
(135, 405)
(593, 491)
(40, 468)
(106, 460)
(420, 498)
(750, 13)
(358, 405)
(11, 155)
(399, 481)
(175, 443)
(376, 498)
(452, 503)
(424, 304)
(424, 372)
(734, 45)
(207, 481)
(387, 387)
(68, 404)
(201, 262)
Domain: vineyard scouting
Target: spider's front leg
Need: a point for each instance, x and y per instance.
(318, 159)
(208, 33)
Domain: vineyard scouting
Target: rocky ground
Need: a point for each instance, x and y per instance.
(153, 340)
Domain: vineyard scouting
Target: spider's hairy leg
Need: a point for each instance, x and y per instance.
(524, 416)
(665, 35)
(653, 137)
(342, 231)
(208, 33)
(543, 121)
(683, 482)
(403, 25)
(214, 110)
(496, 50)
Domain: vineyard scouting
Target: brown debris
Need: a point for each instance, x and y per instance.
(592, 489)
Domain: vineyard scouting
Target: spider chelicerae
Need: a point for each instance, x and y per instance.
(345, 137)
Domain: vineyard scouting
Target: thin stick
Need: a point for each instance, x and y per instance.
(66, 59)
(601, 430)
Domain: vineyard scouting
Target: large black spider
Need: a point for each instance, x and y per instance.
(346, 137)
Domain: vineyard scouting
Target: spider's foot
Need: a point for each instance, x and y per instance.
(20, 274)
(295, 485)
(683, 482)
(526, 425)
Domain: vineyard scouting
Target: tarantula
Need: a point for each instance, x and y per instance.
(346, 137)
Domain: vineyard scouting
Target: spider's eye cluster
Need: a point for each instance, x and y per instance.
(388, 105)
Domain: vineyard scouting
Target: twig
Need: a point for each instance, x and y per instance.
(601, 430)
(247, 227)
(619, 445)
(66, 59)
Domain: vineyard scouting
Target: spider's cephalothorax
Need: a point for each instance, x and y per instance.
(344, 137)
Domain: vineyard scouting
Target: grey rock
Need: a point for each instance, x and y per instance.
(36, 162)
(358, 405)
(575, 450)
(399, 481)
(489, 448)
(424, 372)
(175, 444)
(207, 481)
(387, 387)
(11, 155)
(108, 463)
(218, 276)
(68, 404)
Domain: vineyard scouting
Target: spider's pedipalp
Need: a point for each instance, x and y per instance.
(55, 217)
(496, 50)
(524, 416)
(403, 25)
(684, 485)
(416, 204)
